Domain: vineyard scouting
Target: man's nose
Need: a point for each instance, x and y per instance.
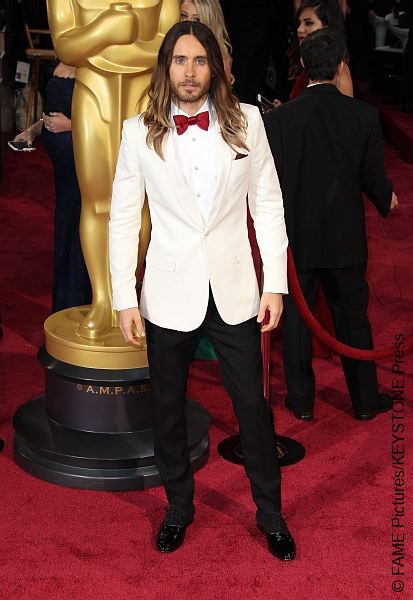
(189, 70)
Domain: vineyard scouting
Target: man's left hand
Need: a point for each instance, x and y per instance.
(274, 304)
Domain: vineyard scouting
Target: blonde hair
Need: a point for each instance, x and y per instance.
(211, 15)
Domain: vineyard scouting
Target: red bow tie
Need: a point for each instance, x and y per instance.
(182, 122)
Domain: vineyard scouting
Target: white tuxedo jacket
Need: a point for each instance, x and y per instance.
(185, 255)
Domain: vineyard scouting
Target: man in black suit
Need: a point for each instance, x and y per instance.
(328, 149)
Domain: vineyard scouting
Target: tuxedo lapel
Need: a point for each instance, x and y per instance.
(178, 184)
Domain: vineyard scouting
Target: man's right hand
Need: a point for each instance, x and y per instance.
(130, 324)
(394, 201)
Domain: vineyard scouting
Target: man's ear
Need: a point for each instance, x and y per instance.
(302, 63)
(340, 68)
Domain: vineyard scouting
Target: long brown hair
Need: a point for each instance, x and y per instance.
(157, 116)
(331, 16)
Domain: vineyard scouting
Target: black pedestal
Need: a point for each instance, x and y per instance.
(93, 429)
(289, 451)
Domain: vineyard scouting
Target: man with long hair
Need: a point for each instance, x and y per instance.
(197, 153)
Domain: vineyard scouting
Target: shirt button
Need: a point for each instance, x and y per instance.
(196, 168)
(194, 139)
(198, 195)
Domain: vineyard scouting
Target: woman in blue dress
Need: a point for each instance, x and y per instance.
(71, 285)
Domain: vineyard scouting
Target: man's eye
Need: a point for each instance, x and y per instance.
(179, 60)
(201, 61)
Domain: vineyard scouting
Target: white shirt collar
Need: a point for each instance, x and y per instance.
(320, 83)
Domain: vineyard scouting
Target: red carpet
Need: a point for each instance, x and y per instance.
(397, 124)
(64, 544)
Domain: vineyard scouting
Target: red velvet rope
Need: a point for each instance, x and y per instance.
(321, 333)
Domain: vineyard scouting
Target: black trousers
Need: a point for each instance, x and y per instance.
(347, 295)
(238, 350)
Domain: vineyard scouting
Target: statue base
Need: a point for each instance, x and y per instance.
(93, 429)
(107, 350)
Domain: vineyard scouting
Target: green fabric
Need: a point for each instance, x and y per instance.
(204, 349)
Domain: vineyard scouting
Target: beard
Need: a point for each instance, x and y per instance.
(192, 95)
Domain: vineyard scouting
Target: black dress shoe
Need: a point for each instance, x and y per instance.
(301, 415)
(279, 539)
(384, 403)
(172, 531)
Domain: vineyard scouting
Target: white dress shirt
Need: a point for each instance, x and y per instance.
(197, 154)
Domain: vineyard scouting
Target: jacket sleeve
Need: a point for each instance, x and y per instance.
(128, 195)
(375, 183)
(266, 207)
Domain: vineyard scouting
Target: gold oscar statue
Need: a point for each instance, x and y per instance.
(114, 47)
(93, 427)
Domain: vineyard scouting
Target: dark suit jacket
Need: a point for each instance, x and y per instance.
(328, 149)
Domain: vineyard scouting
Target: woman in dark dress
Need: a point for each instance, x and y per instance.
(313, 15)
(71, 285)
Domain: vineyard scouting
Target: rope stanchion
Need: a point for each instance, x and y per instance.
(322, 334)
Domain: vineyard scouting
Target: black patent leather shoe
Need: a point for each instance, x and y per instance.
(301, 415)
(172, 531)
(281, 545)
(170, 537)
(384, 403)
(279, 539)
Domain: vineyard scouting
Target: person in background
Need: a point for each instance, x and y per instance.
(325, 164)
(71, 285)
(198, 154)
(210, 13)
(311, 16)
(342, 3)
(378, 9)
